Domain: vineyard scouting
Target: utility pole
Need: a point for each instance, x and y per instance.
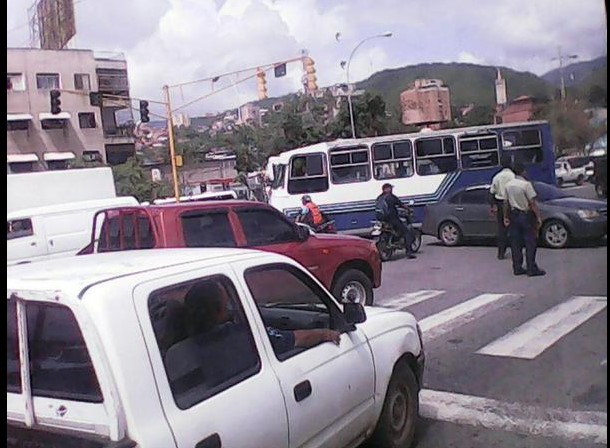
(172, 148)
(560, 57)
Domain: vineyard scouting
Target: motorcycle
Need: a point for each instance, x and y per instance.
(328, 226)
(387, 240)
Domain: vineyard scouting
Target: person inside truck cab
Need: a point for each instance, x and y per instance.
(209, 310)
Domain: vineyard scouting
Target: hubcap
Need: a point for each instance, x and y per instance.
(398, 411)
(449, 233)
(556, 235)
(354, 292)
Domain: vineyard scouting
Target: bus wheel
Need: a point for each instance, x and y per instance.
(559, 181)
(580, 179)
(449, 233)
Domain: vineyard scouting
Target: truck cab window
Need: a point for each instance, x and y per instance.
(19, 228)
(204, 338)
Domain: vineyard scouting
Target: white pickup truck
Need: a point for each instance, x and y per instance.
(202, 349)
(572, 169)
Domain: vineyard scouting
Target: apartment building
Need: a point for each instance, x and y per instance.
(38, 140)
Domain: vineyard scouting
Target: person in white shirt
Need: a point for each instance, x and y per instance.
(497, 195)
(521, 213)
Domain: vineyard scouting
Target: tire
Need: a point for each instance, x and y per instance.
(555, 234)
(398, 420)
(450, 233)
(354, 286)
(580, 179)
(384, 249)
(599, 191)
(559, 182)
(416, 245)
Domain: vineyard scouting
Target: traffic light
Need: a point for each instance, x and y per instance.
(144, 118)
(55, 102)
(262, 84)
(310, 73)
(95, 99)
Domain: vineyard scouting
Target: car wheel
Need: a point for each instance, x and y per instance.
(354, 286)
(384, 248)
(396, 426)
(449, 233)
(599, 191)
(559, 181)
(555, 234)
(580, 180)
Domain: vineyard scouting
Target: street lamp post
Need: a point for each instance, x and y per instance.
(349, 90)
(561, 58)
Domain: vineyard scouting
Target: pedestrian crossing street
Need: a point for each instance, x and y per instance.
(527, 341)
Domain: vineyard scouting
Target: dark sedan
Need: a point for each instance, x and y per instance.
(565, 219)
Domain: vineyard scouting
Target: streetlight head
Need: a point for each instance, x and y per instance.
(387, 34)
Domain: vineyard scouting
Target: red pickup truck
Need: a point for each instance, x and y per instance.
(349, 267)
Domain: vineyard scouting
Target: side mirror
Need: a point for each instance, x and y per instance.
(302, 232)
(354, 313)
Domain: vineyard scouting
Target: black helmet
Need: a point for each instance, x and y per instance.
(306, 198)
(385, 186)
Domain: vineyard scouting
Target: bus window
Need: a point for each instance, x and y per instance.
(523, 145)
(350, 165)
(307, 174)
(279, 176)
(479, 151)
(435, 156)
(392, 160)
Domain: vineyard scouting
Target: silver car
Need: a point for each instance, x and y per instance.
(466, 215)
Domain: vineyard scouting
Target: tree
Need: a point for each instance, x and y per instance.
(370, 117)
(131, 179)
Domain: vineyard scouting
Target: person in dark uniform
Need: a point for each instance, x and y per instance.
(522, 216)
(389, 214)
(497, 196)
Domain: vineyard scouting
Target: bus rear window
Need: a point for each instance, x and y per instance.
(308, 174)
(524, 145)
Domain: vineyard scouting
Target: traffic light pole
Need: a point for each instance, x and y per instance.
(172, 148)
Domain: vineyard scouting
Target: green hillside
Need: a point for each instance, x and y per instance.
(468, 83)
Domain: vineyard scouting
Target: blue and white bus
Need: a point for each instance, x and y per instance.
(345, 176)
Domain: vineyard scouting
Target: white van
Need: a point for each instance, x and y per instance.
(54, 231)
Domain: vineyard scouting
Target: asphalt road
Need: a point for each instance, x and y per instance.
(511, 361)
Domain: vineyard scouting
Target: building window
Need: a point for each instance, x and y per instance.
(56, 165)
(86, 120)
(92, 156)
(479, 151)
(15, 82)
(47, 81)
(21, 167)
(392, 160)
(350, 165)
(82, 81)
(435, 156)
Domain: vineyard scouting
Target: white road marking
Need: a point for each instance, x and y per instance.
(536, 335)
(411, 298)
(463, 313)
(524, 419)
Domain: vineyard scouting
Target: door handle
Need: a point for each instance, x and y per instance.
(302, 391)
(33, 244)
(212, 441)
(459, 209)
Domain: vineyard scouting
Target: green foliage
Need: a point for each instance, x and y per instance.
(131, 179)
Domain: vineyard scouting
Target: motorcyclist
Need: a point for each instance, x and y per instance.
(310, 213)
(386, 208)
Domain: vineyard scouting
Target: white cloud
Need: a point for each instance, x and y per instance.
(169, 41)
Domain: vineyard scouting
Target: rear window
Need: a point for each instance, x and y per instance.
(126, 231)
(60, 365)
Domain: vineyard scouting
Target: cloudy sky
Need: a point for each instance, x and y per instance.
(172, 41)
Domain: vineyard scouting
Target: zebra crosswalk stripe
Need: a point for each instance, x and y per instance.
(537, 334)
(411, 298)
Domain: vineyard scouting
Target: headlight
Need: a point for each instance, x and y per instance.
(588, 214)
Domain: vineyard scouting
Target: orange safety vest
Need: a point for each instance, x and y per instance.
(316, 214)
